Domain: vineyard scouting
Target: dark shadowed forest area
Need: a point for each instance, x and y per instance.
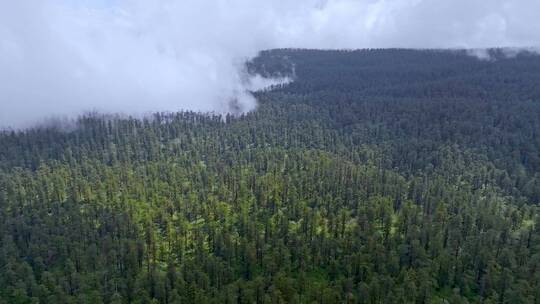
(376, 176)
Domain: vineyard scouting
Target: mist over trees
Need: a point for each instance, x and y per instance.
(63, 57)
(377, 176)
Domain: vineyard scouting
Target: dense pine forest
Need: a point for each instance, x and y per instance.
(376, 176)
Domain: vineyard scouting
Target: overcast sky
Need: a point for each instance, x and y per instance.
(62, 57)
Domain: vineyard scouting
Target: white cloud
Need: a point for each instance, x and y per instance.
(61, 57)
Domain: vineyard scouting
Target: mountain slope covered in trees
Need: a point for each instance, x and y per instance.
(377, 176)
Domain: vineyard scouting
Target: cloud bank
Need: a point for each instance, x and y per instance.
(62, 57)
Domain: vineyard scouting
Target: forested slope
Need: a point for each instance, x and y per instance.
(377, 176)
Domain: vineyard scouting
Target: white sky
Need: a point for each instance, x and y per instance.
(62, 57)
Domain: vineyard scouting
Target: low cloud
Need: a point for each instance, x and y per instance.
(63, 57)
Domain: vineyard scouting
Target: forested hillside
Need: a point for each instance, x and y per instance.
(377, 176)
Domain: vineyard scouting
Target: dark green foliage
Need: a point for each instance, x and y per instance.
(378, 176)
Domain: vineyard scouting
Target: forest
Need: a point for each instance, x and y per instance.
(376, 176)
